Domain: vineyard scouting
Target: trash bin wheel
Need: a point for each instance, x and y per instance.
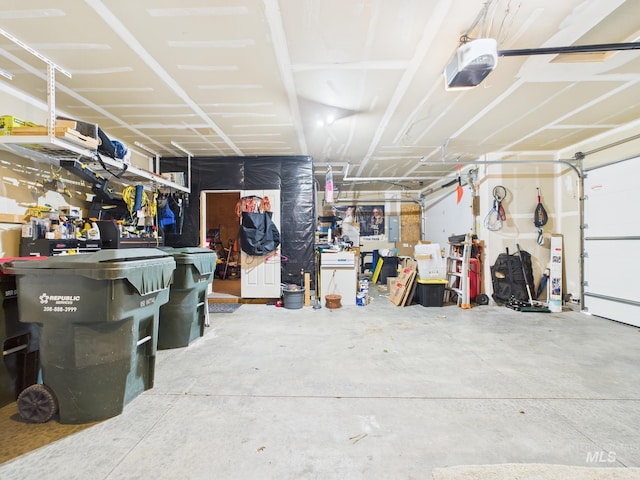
(482, 299)
(37, 403)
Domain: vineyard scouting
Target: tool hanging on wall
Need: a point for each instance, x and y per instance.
(492, 221)
(135, 198)
(180, 215)
(540, 219)
(495, 217)
(499, 195)
(54, 184)
(178, 203)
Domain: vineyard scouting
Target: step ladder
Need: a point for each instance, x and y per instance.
(458, 272)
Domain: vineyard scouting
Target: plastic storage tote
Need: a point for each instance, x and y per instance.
(430, 293)
(183, 317)
(98, 317)
(19, 341)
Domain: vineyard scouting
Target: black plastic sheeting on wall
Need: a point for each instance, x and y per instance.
(293, 176)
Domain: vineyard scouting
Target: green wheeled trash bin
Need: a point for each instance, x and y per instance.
(183, 317)
(19, 341)
(98, 317)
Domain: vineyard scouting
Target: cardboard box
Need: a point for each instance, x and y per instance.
(405, 249)
(368, 245)
(8, 122)
(175, 177)
(404, 283)
(555, 274)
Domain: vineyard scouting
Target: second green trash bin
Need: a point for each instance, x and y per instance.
(182, 318)
(98, 317)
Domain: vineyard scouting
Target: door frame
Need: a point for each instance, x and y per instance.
(203, 212)
(203, 222)
(203, 227)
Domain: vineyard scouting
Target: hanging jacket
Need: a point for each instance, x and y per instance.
(258, 234)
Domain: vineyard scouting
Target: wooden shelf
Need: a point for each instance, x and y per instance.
(12, 218)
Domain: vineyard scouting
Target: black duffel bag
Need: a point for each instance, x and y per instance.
(508, 279)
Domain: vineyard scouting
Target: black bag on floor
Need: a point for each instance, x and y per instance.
(508, 279)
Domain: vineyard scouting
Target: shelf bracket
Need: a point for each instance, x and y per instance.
(51, 101)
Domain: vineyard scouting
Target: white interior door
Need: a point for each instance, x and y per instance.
(612, 242)
(260, 277)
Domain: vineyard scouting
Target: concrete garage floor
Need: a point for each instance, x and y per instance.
(375, 392)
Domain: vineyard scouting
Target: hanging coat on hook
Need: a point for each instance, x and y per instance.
(258, 234)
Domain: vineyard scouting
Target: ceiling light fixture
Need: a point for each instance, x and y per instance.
(326, 122)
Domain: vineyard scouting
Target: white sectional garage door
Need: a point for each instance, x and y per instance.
(612, 241)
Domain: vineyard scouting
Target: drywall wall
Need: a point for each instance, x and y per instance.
(22, 186)
(561, 196)
(444, 216)
(522, 182)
